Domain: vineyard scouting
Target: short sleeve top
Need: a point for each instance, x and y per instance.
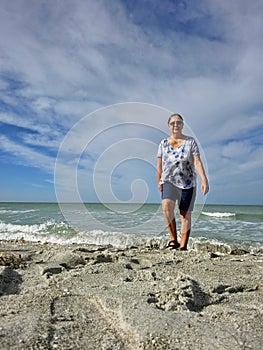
(178, 163)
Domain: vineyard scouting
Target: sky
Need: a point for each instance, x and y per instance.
(86, 88)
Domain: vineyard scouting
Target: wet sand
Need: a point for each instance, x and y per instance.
(93, 297)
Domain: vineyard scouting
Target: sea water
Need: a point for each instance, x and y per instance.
(128, 224)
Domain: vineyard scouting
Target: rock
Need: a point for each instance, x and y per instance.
(213, 255)
(11, 260)
(103, 258)
(212, 248)
(238, 251)
(186, 295)
(69, 260)
(49, 269)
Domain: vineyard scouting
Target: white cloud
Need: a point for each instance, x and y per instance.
(238, 150)
(44, 141)
(26, 156)
(23, 121)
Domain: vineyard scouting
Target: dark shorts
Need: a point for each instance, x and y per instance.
(184, 197)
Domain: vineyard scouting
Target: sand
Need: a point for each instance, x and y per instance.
(93, 297)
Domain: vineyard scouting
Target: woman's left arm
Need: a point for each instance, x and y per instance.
(201, 172)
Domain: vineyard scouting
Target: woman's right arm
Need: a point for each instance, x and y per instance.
(159, 172)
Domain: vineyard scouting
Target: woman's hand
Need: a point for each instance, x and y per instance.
(201, 172)
(204, 187)
(160, 188)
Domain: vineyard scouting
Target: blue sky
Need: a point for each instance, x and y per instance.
(97, 81)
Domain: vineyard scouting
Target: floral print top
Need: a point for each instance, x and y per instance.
(178, 163)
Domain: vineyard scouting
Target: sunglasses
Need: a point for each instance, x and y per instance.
(177, 122)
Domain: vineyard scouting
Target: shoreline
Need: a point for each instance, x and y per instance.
(78, 296)
(198, 244)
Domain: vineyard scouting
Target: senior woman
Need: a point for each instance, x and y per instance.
(178, 158)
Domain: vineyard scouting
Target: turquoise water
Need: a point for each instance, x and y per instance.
(126, 224)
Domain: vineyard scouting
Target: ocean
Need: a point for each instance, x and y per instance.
(126, 225)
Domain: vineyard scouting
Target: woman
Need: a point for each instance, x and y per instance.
(178, 158)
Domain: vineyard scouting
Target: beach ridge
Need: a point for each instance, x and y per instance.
(83, 296)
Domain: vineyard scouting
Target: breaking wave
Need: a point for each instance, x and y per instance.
(60, 232)
(218, 214)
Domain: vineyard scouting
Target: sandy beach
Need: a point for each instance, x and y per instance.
(95, 297)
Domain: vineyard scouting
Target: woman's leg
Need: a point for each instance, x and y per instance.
(185, 217)
(168, 206)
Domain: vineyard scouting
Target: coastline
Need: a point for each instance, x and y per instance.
(82, 296)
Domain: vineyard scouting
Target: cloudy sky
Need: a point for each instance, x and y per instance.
(86, 88)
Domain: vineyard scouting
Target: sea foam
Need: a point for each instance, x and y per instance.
(218, 214)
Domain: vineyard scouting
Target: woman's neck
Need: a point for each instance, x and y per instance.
(177, 136)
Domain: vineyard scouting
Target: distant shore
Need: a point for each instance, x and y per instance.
(83, 296)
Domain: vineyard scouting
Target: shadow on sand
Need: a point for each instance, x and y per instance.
(10, 281)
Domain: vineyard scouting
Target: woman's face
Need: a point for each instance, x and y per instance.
(176, 124)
